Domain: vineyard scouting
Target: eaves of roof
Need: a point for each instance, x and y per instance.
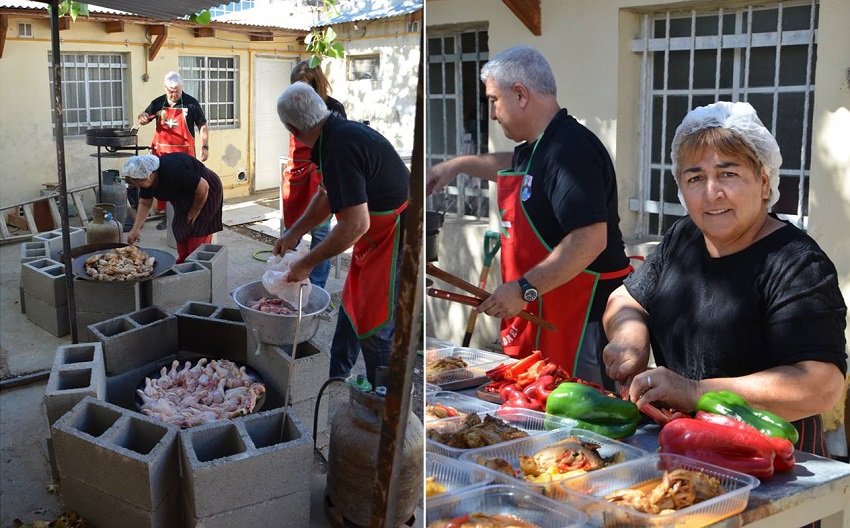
(374, 9)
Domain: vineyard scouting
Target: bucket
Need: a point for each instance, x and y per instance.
(113, 191)
(104, 227)
(353, 461)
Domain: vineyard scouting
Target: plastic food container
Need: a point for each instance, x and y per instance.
(432, 343)
(430, 387)
(463, 404)
(532, 422)
(504, 500)
(587, 493)
(511, 451)
(456, 476)
(478, 362)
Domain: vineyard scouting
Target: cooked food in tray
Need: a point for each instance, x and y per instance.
(194, 395)
(439, 411)
(481, 520)
(121, 264)
(273, 306)
(432, 487)
(476, 432)
(435, 367)
(568, 458)
(675, 490)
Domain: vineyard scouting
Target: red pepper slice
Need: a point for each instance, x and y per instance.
(522, 365)
(458, 521)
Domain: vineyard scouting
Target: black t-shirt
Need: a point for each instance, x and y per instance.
(359, 166)
(777, 302)
(194, 113)
(335, 107)
(179, 174)
(574, 185)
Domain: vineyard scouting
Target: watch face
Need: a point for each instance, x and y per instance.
(530, 295)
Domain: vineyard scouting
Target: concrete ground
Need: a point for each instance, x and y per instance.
(27, 492)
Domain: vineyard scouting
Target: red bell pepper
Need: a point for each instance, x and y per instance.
(730, 447)
(513, 397)
(513, 372)
(782, 447)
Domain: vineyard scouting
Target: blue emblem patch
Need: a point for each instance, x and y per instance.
(525, 192)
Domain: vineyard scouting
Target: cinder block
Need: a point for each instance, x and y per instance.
(34, 251)
(136, 339)
(189, 281)
(124, 454)
(54, 239)
(23, 300)
(220, 292)
(294, 508)
(310, 371)
(107, 297)
(44, 279)
(77, 372)
(100, 508)
(213, 257)
(51, 455)
(250, 460)
(86, 319)
(211, 329)
(304, 411)
(51, 318)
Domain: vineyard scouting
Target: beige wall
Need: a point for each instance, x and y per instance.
(588, 44)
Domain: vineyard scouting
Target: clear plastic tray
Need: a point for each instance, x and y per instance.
(587, 493)
(478, 362)
(504, 500)
(456, 476)
(463, 404)
(432, 343)
(532, 422)
(511, 451)
(430, 387)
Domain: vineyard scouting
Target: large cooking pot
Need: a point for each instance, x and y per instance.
(164, 262)
(279, 329)
(111, 137)
(433, 223)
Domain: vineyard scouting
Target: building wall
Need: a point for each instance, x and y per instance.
(27, 146)
(588, 43)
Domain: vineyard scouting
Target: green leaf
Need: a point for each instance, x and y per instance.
(315, 60)
(204, 17)
(339, 51)
(330, 35)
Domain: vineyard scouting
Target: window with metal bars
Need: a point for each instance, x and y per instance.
(213, 82)
(93, 91)
(458, 115)
(764, 55)
(232, 7)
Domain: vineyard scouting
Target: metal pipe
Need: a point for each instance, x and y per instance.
(26, 379)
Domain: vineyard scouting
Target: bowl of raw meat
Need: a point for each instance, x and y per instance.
(272, 320)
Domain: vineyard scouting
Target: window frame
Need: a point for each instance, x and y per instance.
(198, 83)
(350, 66)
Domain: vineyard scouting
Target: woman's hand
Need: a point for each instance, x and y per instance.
(192, 215)
(133, 236)
(625, 356)
(663, 385)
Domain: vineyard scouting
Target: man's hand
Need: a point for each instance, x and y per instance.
(505, 302)
(285, 243)
(205, 153)
(298, 271)
(145, 118)
(439, 176)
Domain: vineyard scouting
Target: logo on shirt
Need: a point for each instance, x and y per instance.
(525, 192)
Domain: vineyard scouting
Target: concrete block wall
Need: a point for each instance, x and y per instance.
(213, 330)
(31, 251)
(260, 463)
(117, 464)
(54, 239)
(214, 258)
(189, 281)
(99, 301)
(136, 339)
(45, 294)
(77, 372)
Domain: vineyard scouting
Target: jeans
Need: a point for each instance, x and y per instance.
(319, 275)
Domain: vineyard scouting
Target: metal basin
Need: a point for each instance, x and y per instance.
(279, 329)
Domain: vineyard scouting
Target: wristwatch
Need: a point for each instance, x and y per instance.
(529, 292)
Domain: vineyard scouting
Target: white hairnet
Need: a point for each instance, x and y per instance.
(741, 118)
(173, 79)
(140, 167)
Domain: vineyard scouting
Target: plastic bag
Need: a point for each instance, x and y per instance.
(274, 279)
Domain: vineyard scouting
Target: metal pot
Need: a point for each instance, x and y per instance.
(111, 137)
(433, 223)
(279, 329)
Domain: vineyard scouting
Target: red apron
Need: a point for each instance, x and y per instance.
(299, 182)
(172, 135)
(567, 306)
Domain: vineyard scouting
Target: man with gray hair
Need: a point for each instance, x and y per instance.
(562, 250)
(365, 184)
(176, 114)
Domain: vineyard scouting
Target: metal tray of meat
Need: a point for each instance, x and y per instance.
(453, 475)
(163, 261)
(530, 422)
(513, 502)
(478, 362)
(587, 493)
(612, 450)
(461, 403)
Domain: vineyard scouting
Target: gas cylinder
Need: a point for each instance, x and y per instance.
(104, 227)
(114, 191)
(353, 461)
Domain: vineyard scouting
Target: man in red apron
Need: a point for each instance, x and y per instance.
(176, 114)
(365, 184)
(562, 250)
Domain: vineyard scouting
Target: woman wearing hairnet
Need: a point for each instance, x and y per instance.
(733, 298)
(194, 191)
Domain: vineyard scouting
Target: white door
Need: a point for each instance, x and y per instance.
(271, 138)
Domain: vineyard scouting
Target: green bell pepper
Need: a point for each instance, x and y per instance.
(730, 404)
(593, 410)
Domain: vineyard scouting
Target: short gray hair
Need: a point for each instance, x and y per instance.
(521, 64)
(173, 79)
(300, 106)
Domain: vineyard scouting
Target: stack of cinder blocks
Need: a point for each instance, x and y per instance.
(53, 239)
(98, 301)
(214, 258)
(45, 295)
(31, 251)
(189, 281)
